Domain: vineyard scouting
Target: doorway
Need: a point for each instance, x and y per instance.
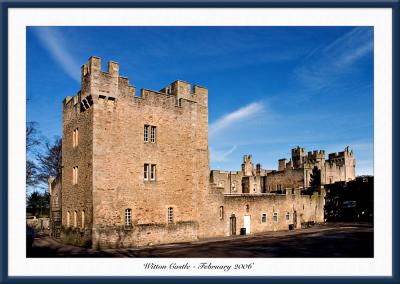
(232, 222)
(246, 223)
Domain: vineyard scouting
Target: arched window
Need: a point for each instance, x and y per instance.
(128, 217)
(83, 220)
(170, 215)
(75, 219)
(68, 219)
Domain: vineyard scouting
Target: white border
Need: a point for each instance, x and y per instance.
(381, 19)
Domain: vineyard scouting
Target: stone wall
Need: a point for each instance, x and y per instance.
(180, 154)
(144, 234)
(77, 197)
(289, 178)
(306, 208)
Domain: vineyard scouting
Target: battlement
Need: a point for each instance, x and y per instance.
(182, 89)
(346, 153)
(298, 151)
(109, 87)
(247, 158)
(316, 155)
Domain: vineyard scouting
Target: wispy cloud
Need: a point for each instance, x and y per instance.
(326, 64)
(53, 41)
(235, 116)
(221, 155)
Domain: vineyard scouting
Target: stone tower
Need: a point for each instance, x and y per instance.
(134, 165)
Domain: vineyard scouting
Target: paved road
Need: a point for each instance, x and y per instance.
(329, 240)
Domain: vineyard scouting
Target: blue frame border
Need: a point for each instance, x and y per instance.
(394, 5)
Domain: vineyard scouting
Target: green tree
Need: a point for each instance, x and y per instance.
(315, 177)
(38, 203)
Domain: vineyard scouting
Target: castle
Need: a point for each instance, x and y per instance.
(135, 171)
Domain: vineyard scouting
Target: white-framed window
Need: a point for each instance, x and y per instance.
(264, 218)
(170, 215)
(75, 175)
(275, 217)
(153, 134)
(221, 212)
(146, 133)
(287, 216)
(152, 172)
(146, 172)
(234, 186)
(83, 219)
(68, 219)
(128, 217)
(75, 219)
(75, 138)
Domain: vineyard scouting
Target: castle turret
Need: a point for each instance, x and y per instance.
(298, 157)
(247, 166)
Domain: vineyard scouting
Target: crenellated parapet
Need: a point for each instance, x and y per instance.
(340, 158)
(108, 88)
(316, 157)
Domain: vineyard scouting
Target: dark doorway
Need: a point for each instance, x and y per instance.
(232, 221)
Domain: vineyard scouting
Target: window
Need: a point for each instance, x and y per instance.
(75, 219)
(68, 219)
(83, 220)
(255, 187)
(221, 212)
(275, 217)
(146, 133)
(146, 172)
(153, 172)
(75, 175)
(247, 208)
(234, 186)
(128, 217)
(170, 215)
(264, 218)
(75, 138)
(153, 134)
(287, 216)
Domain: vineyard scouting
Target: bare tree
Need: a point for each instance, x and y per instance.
(50, 160)
(32, 141)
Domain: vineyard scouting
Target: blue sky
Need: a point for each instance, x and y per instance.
(270, 88)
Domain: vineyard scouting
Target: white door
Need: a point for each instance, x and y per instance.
(246, 223)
